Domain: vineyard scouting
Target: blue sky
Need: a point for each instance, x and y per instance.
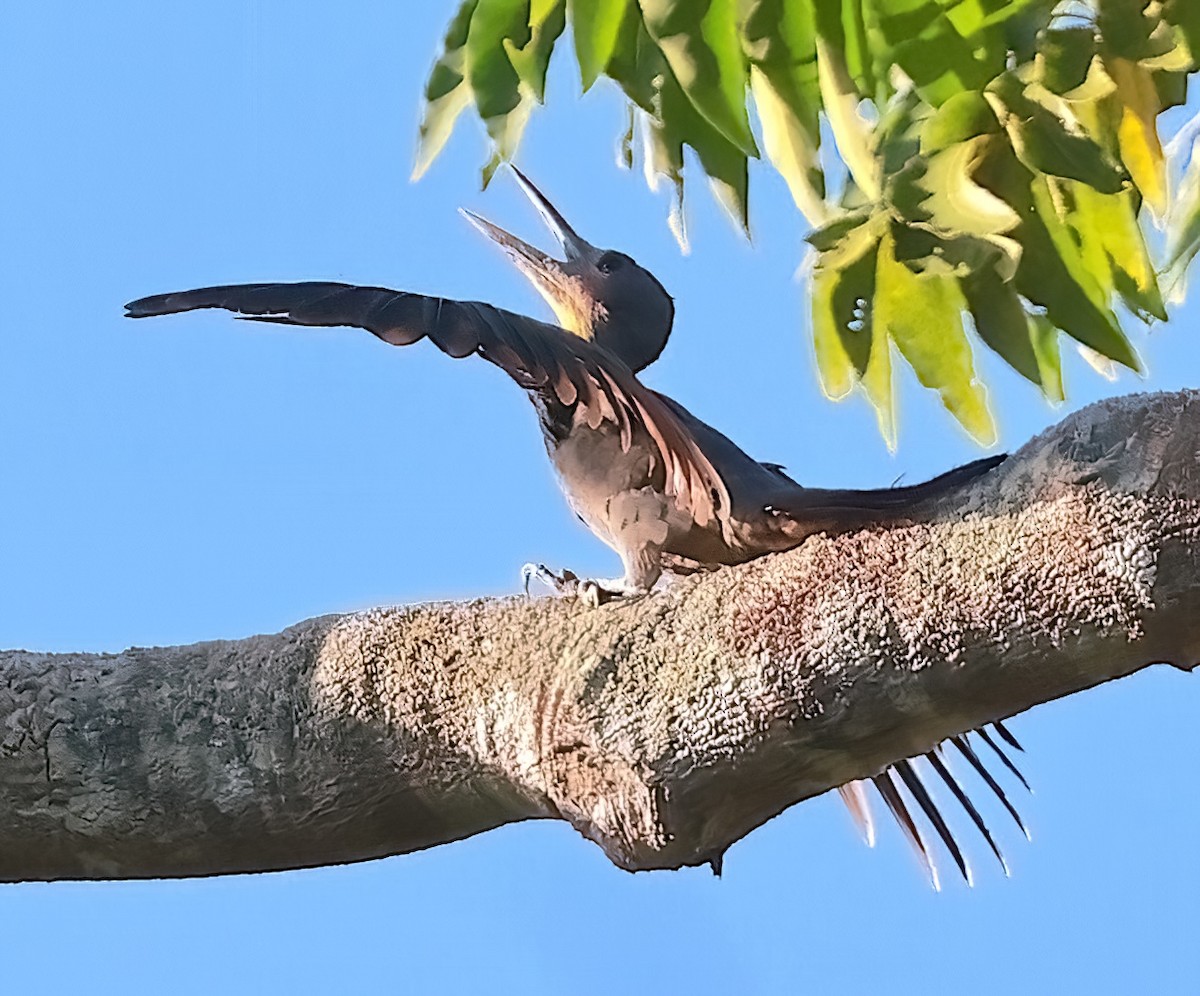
(196, 478)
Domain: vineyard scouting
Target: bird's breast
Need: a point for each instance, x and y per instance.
(605, 483)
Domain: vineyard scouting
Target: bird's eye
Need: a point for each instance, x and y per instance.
(610, 261)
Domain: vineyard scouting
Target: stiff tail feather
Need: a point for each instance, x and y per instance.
(907, 774)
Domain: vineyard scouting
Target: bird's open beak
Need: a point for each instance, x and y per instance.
(556, 280)
(531, 261)
(571, 243)
(521, 252)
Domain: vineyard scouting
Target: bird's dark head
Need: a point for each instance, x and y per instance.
(597, 294)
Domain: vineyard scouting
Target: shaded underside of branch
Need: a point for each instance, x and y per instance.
(663, 728)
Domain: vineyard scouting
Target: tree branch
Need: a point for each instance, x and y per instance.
(664, 729)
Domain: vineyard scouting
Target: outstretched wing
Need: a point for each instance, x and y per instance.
(540, 357)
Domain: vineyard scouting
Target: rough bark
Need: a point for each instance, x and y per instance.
(664, 729)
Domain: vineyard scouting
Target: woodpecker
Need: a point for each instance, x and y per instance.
(666, 491)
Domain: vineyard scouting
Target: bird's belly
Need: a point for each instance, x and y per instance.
(617, 492)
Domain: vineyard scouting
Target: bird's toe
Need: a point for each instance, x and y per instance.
(564, 583)
(590, 594)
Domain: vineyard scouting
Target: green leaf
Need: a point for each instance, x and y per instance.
(922, 314)
(845, 76)
(1127, 28)
(700, 41)
(1185, 16)
(446, 92)
(625, 142)
(779, 42)
(1047, 143)
(725, 164)
(1052, 274)
(856, 43)
(975, 18)
(496, 53)
(877, 385)
(639, 69)
(595, 25)
(849, 343)
(964, 116)
(642, 71)
(826, 236)
(1019, 338)
(498, 27)
(1171, 89)
(489, 70)
(1028, 343)
(779, 37)
(1001, 322)
(1065, 56)
(547, 18)
(1044, 336)
(636, 63)
(897, 134)
(931, 47)
(956, 204)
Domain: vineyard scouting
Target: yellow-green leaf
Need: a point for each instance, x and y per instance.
(1111, 241)
(843, 285)
(850, 131)
(834, 368)
(877, 384)
(922, 314)
(779, 42)
(957, 204)
(1019, 338)
(790, 147)
(1141, 149)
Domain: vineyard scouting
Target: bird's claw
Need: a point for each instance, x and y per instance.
(591, 594)
(567, 583)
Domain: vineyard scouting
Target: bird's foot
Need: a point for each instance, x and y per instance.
(561, 584)
(568, 584)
